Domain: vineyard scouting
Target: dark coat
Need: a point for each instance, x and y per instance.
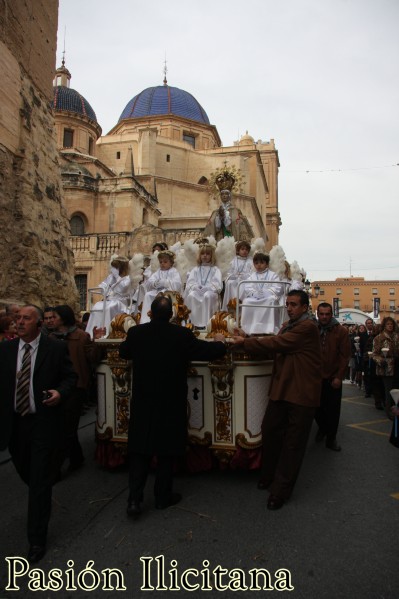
(53, 370)
(161, 353)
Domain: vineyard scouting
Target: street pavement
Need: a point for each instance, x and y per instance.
(337, 538)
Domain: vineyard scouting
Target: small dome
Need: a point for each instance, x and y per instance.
(69, 99)
(246, 140)
(164, 99)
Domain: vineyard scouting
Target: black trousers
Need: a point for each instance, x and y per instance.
(285, 432)
(33, 454)
(327, 415)
(139, 468)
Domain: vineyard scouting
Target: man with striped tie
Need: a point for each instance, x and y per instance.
(36, 375)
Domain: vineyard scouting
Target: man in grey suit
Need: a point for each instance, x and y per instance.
(36, 375)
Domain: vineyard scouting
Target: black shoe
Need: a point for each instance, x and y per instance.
(133, 510)
(274, 502)
(319, 436)
(36, 553)
(173, 499)
(333, 445)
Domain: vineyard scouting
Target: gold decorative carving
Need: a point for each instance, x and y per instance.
(120, 325)
(204, 442)
(241, 441)
(106, 435)
(121, 383)
(222, 378)
(221, 322)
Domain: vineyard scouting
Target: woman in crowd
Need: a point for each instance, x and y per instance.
(7, 328)
(386, 356)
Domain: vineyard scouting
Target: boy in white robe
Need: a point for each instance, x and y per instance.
(166, 278)
(204, 284)
(257, 317)
(240, 270)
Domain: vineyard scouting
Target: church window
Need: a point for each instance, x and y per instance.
(90, 146)
(81, 284)
(190, 139)
(203, 181)
(167, 157)
(118, 155)
(77, 225)
(68, 138)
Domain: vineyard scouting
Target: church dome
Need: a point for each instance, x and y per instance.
(164, 100)
(69, 99)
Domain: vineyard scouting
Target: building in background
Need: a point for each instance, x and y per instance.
(149, 179)
(356, 292)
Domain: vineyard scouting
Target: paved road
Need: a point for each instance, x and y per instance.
(337, 536)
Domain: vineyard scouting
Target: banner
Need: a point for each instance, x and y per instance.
(376, 301)
(336, 307)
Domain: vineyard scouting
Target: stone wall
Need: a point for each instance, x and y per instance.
(37, 262)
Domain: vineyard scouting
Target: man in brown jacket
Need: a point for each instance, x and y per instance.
(294, 395)
(335, 352)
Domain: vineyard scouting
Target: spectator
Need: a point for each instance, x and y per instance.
(335, 352)
(386, 356)
(8, 329)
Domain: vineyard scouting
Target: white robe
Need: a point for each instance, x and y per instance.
(204, 284)
(257, 318)
(160, 280)
(240, 269)
(117, 296)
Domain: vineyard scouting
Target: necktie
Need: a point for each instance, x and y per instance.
(22, 400)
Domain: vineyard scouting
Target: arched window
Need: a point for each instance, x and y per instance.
(77, 225)
(203, 181)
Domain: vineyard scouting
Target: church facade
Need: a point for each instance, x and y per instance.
(150, 178)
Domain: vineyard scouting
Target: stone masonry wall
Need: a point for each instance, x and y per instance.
(36, 260)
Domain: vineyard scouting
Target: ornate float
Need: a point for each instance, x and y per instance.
(225, 405)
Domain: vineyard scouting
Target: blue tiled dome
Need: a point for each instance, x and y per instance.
(164, 99)
(69, 99)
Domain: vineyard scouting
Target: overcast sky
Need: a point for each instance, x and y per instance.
(320, 77)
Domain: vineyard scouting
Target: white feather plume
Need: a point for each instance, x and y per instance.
(277, 260)
(257, 245)
(296, 274)
(136, 266)
(154, 262)
(225, 252)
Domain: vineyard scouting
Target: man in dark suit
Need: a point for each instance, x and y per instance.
(36, 375)
(161, 353)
